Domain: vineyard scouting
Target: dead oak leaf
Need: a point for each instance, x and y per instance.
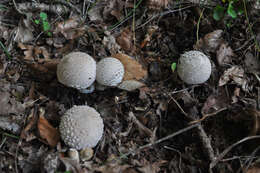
(133, 69)
(236, 74)
(210, 42)
(224, 54)
(125, 40)
(47, 131)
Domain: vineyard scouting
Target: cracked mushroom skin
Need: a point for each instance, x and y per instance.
(81, 127)
(110, 72)
(194, 67)
(77, 70)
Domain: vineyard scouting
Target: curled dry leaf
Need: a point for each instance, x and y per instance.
(125, 40)
(47, 131)
(210, 42)
(252, 63)
(133, 69)
(157, 4)
(34, 52)
(236, 74)
(114, 8)
(24, 32)
(224, 54)
(70, 28)
(10, 105)
(130, 85)
(110, 43)
(216, 102)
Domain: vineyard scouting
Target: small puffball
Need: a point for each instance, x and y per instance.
(81, 127)
(77, 70)
(110, 72)
(194, 67)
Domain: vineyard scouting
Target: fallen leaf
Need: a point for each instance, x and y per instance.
(151, 168)
(10, 105)
(110, 43)
(70, 28)
(114, 8)
(157, 4)
(32, 119)
(210, 42)
(224, 54)
(133, 69)
(125, 40)
(47, 132)
(72, 165)
(252, 63)
(23, 33)
(130, 85)
(236, 74)
(216, 102)
(11, 123)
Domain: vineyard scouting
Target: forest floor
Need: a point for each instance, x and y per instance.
(163, 126)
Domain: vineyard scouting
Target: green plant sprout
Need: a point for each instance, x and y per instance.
(5, 50)
(173, 66)
(232, 10)
(45, 24)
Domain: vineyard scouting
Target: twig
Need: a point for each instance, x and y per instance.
(222, 155)
(140, 125)
(133, 152)
(198, 25)
(68, 4)
(208, 115)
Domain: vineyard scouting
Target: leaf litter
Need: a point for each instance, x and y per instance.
(144, 116)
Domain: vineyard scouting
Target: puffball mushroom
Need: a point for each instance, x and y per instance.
(110, 71)
(81, 127)
(77, 70)
(194, 67)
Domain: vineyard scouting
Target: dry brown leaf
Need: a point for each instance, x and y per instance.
(26, 134)
(70, 28)
(151, 168)
(130, 85)
(236, 74)
(216, 102)
(114, 8)
(210, 42)
(157, 4)
(125, 40)
(23, 32)
(252, 63)
(47, 131)
(133, 69)
(10, 105)
(224, 54)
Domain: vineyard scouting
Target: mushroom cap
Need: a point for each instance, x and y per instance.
(77, 70)
(81, 127)
(110, 71)
(194, 67)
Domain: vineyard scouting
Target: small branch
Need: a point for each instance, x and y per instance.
(159, 141)
(222, 155)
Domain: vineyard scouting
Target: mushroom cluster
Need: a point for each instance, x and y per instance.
(81, 127)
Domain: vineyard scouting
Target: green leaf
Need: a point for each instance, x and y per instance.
(43, 16)
(46, 26)
(231, 11)
(218, 12)
(173, 66)
(49, 34)
(37, 21)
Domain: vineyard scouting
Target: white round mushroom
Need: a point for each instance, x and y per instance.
(77, 70)
(81, 127)
(110, 71)
(194, 67)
